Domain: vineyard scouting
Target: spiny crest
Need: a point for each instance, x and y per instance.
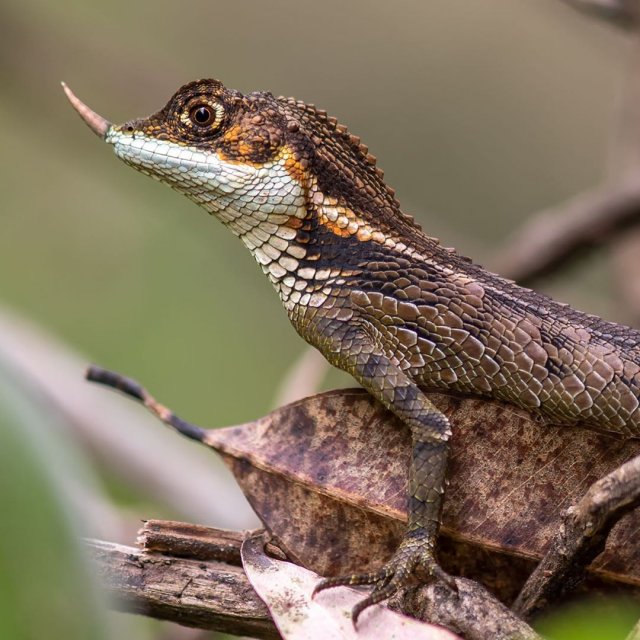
(361, 149)
(318, 118)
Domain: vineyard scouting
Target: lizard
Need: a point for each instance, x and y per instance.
(382, 300)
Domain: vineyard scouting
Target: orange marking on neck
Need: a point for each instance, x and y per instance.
(341, 232)
(347, 224)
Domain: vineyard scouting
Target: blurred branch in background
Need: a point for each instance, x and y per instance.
(625, 157)
(303, 378)
(152, 461)
(550, 239)
(619, 12)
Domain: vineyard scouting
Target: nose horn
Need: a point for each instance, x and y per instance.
(99, 125)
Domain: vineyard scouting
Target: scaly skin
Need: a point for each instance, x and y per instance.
(379, 298)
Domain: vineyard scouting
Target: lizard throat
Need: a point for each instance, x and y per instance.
(263, 205)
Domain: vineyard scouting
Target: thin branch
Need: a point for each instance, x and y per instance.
(133, 389)
(582, 537)
(556, 236)
(191, 541)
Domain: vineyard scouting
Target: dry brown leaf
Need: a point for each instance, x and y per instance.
(327, 476)
(286, 590)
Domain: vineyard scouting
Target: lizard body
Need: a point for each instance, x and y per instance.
(377, 296)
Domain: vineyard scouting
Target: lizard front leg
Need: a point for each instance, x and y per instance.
(430, 433)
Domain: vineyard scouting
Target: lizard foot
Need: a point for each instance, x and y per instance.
(414, 557)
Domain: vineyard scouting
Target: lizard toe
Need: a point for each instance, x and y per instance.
(373, 577)
(411, 564)
(384, 589)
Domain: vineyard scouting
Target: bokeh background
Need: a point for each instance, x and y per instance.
(481, 113)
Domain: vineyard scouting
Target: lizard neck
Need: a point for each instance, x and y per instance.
(304, 261)
(329, 252)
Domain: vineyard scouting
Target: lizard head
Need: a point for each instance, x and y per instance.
(263, 165)
(224, 151)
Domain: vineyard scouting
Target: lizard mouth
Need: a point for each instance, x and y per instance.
(99, 125)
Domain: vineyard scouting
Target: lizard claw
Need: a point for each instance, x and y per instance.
(402, 570)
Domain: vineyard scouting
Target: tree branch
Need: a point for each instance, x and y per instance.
(470, 611)
(581, 538)
(190, 574)
(208, 594)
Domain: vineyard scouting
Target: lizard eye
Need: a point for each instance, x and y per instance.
(202, 115)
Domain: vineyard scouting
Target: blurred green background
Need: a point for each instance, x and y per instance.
(481, 113)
